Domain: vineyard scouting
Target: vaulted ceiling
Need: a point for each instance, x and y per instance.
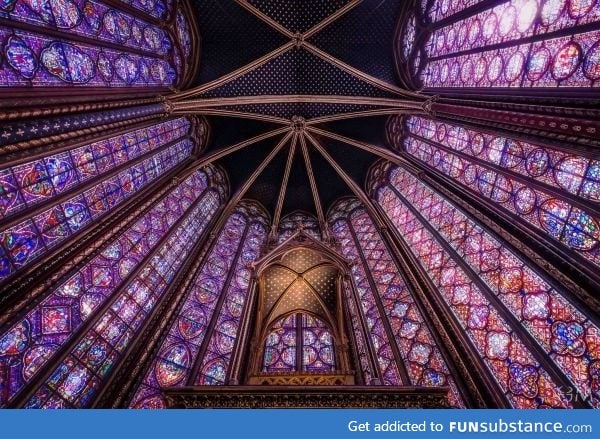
(303, 66)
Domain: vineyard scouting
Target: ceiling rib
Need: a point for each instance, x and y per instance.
(333, 17)
(284, 184)
(264, 17)
(373, 149)
(237, 114)
(240, 193)
(355, 188)
(193, 104)
(235, 74)
(233, 148)
(358, 73)
(359, 114)
(313, 186)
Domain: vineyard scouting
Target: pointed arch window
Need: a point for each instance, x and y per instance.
(299, 342)
(491, 291)
(518, 43)
(115, 292)
(215, 302)
(291, 223)
(553, 191)
(71, 189)
(93, 43)
(400, 340)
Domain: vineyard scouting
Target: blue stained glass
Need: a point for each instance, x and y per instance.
(58, 316)
(43, 179)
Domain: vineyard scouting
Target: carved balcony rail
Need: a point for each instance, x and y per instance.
(306, 397)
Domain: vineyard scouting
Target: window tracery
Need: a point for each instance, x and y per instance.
(120, 166)
(518, 43)
(152, 248)
(384, 299)
(91, 43)
(428, 222)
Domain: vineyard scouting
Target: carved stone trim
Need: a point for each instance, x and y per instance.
(306, 397)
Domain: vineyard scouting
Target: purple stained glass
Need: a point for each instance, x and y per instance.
(280, 346)
(317, 345)
(361, 242)
(293, 222)
(493, 168)
(542, 311)
(183, 34)
(189, 329)
(41, 61)
(527, 58)
(160, 9)
(94, 20)
(85, 290)
(45, 178)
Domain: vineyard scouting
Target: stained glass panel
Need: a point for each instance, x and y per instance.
(189, 331)
(29, 343)
(40, 61)
(280, 346)
(94, 20)
(317, 345)
(424, 363)
(513, 49)
(539, 308)
(492, 166)
(127, 158)
(291, 223)
(215, 364)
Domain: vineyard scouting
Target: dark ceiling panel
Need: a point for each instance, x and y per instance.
(241, 164)
(305, 110)
(297, 72)
(298, 15)
(227, 131)
(331, 186)
(368, 129)
(364, 38)
(266, 187)
(231, 38)
(298, 195)
(353, 161)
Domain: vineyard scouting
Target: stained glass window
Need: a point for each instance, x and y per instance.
(291, 223)
(519, 176)
(299, 334)
(442, 237)
(215, 364)
(507, 45)
(154, 247)
(97, 177)
(92, 43)
(280, 346)
(384, 299)
(222, 280)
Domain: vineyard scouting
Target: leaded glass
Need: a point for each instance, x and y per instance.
(77, 378)
(29, 344)
(280, 346)
(492, 166)
(128, 157)
(189, 331)
(317, 345)
(513, 47)
(92, 19)
(90, 43)
(542, 311)
(215, 364)
(293, 222)
(360, 241)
